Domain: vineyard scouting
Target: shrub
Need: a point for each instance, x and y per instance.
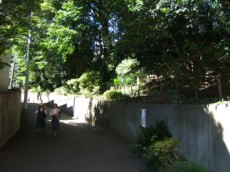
(157, 146)
(72, 86)
(150, 135)
(162, 154)
(115, 95)
(90, 83)
(60, 90)
(160, 151)
(189, 167)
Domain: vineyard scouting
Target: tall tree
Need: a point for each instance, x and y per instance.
(180, 38)
(14, 17)
(186, 37)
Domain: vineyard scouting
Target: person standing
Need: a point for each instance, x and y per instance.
(55, 115)
(40, 120)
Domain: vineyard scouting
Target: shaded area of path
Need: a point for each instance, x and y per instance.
(77, 148)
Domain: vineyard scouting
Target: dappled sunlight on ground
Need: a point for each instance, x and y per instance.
(72, 122)
(67, 119)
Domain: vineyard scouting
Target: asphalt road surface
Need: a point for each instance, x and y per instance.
(77, 148)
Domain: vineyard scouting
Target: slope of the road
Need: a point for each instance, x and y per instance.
(76, 148)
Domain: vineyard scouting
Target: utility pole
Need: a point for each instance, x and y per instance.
(12, 74)
(27, 66)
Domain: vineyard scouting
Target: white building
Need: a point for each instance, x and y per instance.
(4, 73)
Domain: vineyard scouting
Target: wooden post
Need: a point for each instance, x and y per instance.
(138, 86)
(161, 86)
(219, 86)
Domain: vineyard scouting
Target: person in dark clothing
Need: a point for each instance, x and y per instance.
(41, 117)
(55, 115)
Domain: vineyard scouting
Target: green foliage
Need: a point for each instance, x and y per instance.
(130, 82)
(61, 90)
(115, 95)
(19, 83)
(126, 72)
(189, 167)
(157, 146)
(126, 66)
(90, 83)
(174, 96)
(160, 151)
(63, 41)
(73, 86)
(185, 36)
(145, 138)
(162, 154)
(14, 17)
(117, 82)
(150, 135)
(183, 39)
(37, 90)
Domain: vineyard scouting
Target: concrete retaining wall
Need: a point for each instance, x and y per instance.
(66, 103)
(204, 130)
(10, 112)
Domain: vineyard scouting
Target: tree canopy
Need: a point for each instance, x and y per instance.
(177, 40)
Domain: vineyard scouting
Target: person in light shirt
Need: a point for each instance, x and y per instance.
(55, 115)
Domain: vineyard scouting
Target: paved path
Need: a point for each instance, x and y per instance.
(77, 148)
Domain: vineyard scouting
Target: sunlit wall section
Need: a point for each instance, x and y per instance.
(4, 73)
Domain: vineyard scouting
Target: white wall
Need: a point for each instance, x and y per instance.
(4, 73)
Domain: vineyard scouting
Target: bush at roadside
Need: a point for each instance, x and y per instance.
(115, 95)
(160, 151)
